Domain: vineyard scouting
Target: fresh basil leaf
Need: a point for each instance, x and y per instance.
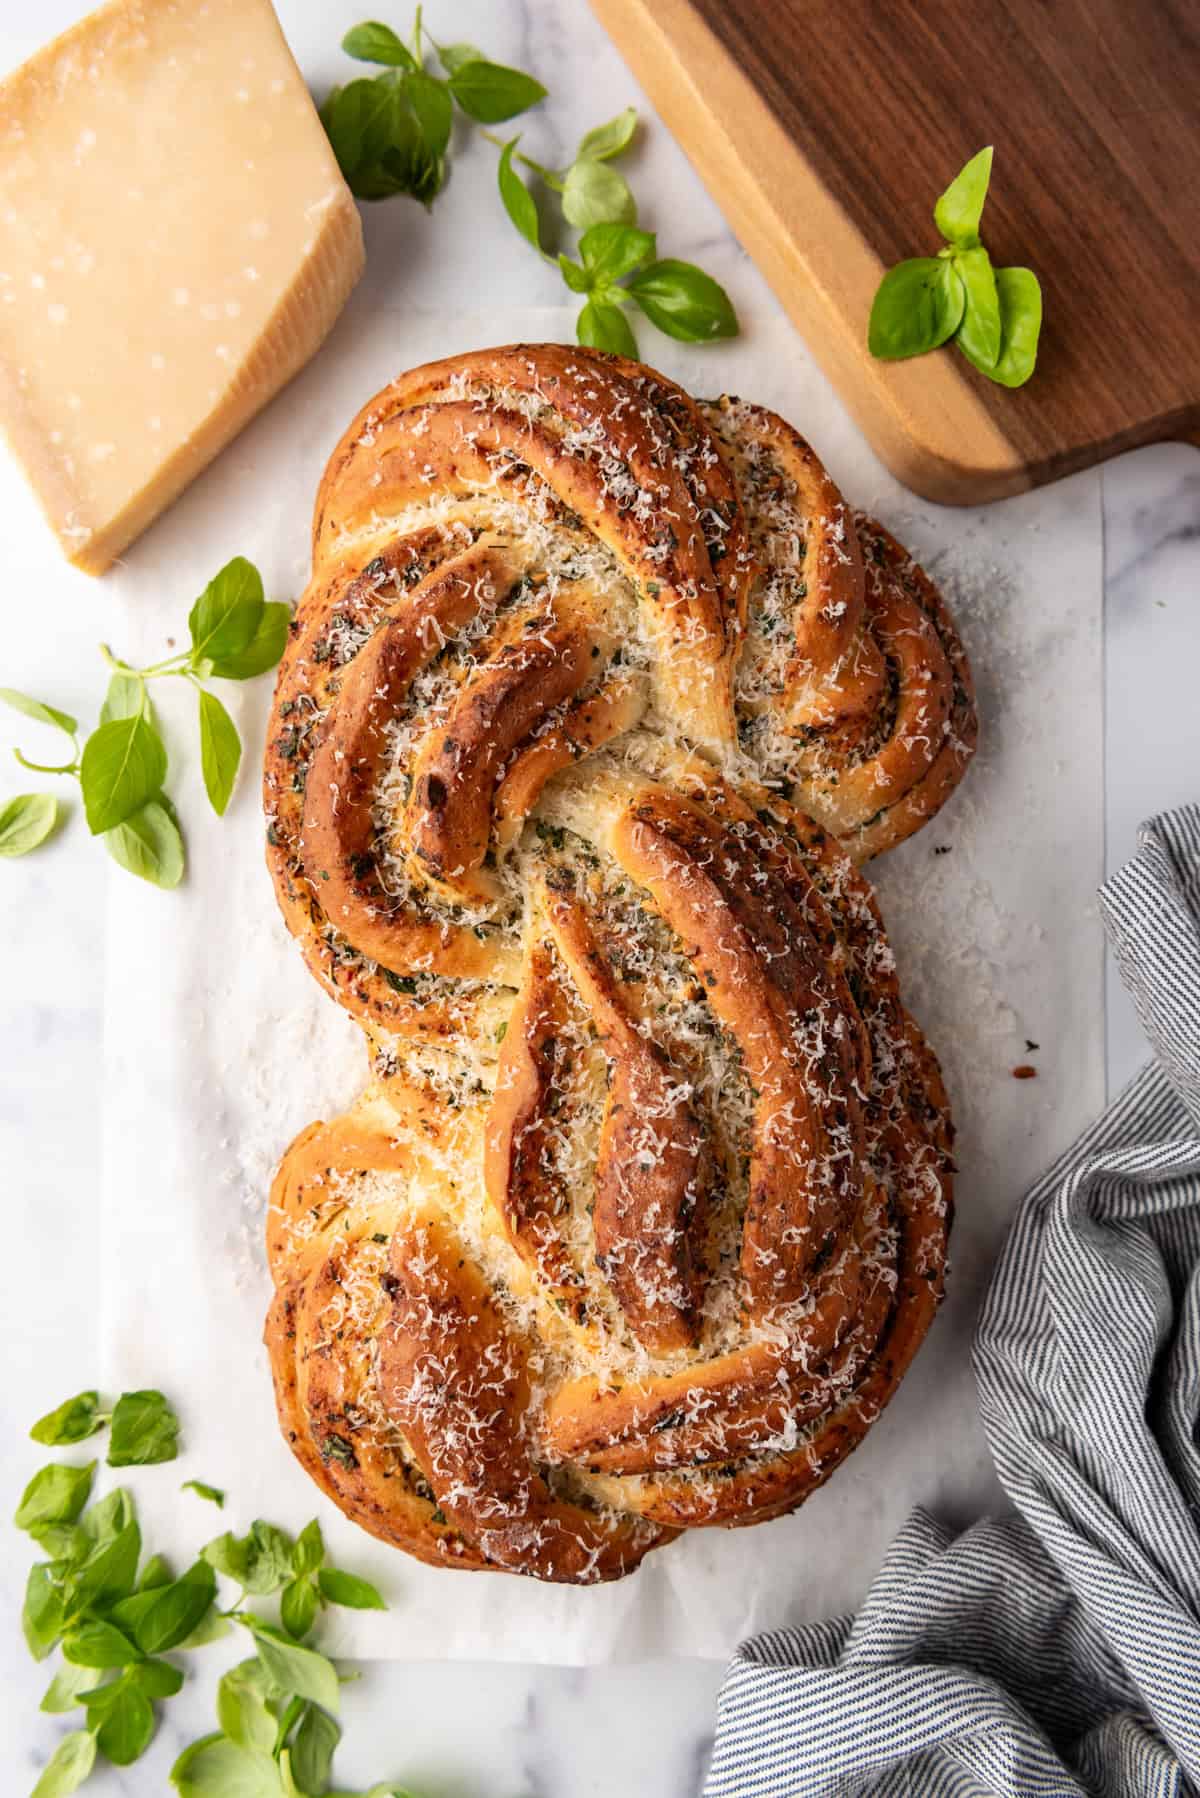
(225, 617)
(518, 201)
(610, 251)
(213, 1494)
(215, 1767)
(128, 1730)
(72, 1421)
(99, 1644)
(242, 1709)
(157, 1679)
(264, 648)
(298, 1606)
(979, 332)
(960, 208)
(156, 1573)
(63, 1692)
(377, 43)
(301, 1671)
(220, 751)
(576, 278)
(126, 697)
(124, 763)
(610, 139)
(175, 1610)
(309, 1552)
(603, 326)
(25, 823)
(55, 1494)
(347, 1589)
(145, 1430)
(260, 1561)
(453, 56)
(919, 305)
(489, 93)
(43, 1614)
(35, 708)
(1020, 295)
(109, 1573)
(595, 194)
(312, 1749)
(109, 1515)
(67, 1767)
(360, 121)
(122, 1718)
(148, 843)
(431, 103)
(684, 302)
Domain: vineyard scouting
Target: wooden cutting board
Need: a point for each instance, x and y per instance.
(826, 129)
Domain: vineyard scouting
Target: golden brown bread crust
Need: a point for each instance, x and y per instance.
(644, 1212)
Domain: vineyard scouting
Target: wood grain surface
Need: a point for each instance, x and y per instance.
(827, 128)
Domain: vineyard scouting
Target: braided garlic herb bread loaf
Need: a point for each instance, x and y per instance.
(595, 700)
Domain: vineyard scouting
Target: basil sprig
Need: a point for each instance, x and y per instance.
(121, 768)
(116, 1617)
(993, 315)
(617, 263)
(390, 132)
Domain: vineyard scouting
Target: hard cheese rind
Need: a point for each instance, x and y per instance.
(175, 242)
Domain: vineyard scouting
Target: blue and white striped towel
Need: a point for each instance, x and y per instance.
(1057, 1652)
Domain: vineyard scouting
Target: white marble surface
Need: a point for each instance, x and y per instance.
(465, 1731)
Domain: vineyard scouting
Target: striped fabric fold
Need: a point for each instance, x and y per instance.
(1055, 1652)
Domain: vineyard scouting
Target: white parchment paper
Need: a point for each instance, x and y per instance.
(219, 1046)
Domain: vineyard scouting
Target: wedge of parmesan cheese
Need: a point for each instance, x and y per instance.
(175, 241)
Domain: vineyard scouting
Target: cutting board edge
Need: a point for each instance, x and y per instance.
(920, 416)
